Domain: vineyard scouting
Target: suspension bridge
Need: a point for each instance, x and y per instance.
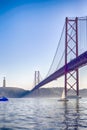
(73, 38)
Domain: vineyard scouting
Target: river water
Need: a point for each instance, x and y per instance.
(43, 114)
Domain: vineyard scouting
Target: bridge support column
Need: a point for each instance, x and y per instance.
(37, 81)
(36, 78)
(71, 52)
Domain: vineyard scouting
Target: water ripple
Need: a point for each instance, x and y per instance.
(43, 114)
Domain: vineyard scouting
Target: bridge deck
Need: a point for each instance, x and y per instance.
(78, 62)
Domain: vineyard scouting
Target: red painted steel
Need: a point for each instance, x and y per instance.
(76, 63)
(70, 69)
(71, 47)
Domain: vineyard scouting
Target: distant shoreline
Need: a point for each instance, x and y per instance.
(14, 92)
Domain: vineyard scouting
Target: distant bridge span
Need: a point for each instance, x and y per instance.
(78, 62)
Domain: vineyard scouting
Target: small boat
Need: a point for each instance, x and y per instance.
(3, 98)
(63, 98)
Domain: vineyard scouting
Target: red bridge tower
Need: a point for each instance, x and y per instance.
(71, 49)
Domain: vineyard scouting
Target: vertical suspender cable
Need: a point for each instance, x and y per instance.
(56, 51)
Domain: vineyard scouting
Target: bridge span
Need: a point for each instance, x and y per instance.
(78, 62)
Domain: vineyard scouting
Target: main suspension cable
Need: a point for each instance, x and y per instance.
(56, 50)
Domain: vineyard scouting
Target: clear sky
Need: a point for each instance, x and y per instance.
(29, 34)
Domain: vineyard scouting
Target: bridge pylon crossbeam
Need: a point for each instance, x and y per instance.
(71, 50)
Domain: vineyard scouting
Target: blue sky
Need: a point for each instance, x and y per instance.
(29, 34)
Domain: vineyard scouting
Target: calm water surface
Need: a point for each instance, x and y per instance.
(43, 114)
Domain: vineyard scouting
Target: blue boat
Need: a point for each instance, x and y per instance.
(3, 98)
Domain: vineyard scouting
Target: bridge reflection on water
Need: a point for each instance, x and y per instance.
(43, 113)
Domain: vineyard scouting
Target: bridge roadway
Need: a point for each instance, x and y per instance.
(78, 62)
